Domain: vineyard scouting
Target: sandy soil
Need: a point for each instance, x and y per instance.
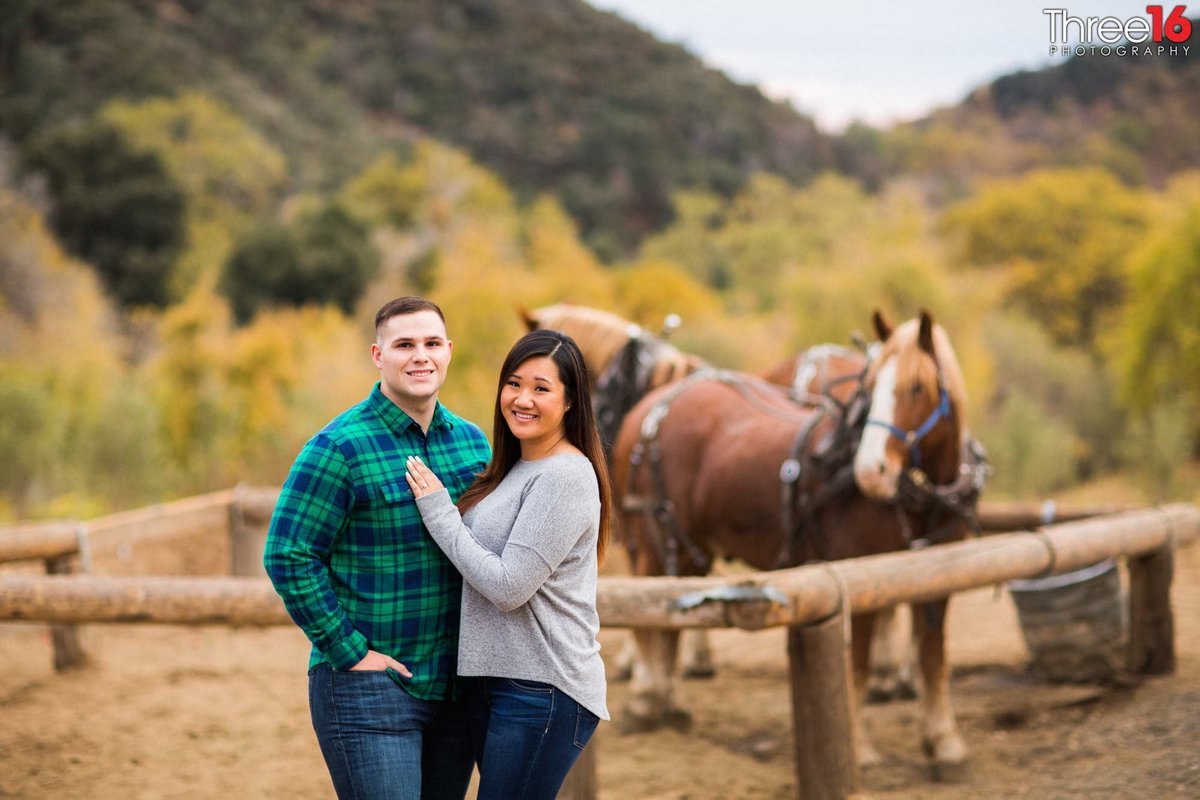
(170, 712)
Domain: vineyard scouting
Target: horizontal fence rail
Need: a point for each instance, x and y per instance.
(257, 503)
(796, 596)
(1000, 517)
(211, 513)
(178, 601)
(206, 513)
(41, 540)
(812, 600)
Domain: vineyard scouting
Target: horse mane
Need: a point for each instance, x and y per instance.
(673, 365)
(601, 335)
(911, 368)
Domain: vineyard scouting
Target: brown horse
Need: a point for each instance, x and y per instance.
(833, 374)
(710, 452)
(626, 362)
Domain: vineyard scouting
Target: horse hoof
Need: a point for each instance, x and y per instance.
(699, 672)
(942, 772)
(631, 723)
(877, 695)
(868, 757)
(675, 719)
(678, 720)
(947, 759)
(888, 692)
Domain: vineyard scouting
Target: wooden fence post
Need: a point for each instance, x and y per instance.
(1151, 621)
(819, 668)
(68, 652)
(246, 539)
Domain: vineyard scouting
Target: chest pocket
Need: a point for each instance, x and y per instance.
(393, 505)
(395, 491)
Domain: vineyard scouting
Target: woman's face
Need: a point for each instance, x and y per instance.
(534, 402)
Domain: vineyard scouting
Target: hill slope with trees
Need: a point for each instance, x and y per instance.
(1135, 117)
(207, 202)
(553, 95)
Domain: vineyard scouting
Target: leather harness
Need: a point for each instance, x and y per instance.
(814, 475)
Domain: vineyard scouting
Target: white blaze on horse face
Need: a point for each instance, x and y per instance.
(875, 474)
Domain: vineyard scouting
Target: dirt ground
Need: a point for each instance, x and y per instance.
(191, 713)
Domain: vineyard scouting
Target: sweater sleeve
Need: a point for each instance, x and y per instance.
(550, 522)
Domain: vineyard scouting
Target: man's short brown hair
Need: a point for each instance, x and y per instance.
(406, 305)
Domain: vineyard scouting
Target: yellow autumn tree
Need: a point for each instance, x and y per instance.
(689, 240)
(386, 192)
(1060, 238)
(647, 291)
(1155, 347)
(420, 207)
(284, 376)
(562, 268)
(228, 170)
(480, 283)
(70, 419)
(187, 383)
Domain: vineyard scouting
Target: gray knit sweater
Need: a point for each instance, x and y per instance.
(527, 553)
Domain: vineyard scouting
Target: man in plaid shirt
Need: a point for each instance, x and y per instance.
(358, 572)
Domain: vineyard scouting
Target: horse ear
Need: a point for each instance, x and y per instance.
(925, 336)
(531, 324)
(883, 328)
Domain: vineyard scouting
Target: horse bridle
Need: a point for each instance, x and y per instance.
(917, 494)
(912, 438)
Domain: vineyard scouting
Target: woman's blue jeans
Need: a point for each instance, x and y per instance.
(526, 737)
(381, 743)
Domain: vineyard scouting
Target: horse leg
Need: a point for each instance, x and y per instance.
(696, 657)
(891, 656)
(941, 739)
(650, 700)
(860, 657)
(623, 661)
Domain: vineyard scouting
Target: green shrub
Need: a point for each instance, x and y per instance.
(114, 207)
(325, 258)
(1031, 454)
(1157, 443)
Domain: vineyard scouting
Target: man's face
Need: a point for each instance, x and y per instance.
(412, 352)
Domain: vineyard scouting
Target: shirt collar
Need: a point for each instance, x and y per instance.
(398, 420)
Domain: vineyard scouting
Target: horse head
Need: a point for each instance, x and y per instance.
(918, 403)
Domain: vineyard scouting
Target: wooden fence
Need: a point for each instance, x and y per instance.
(812, 601)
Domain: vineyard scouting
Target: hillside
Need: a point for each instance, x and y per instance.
(1134, 116)
(551, 94)
(1145, 106)
(557, 96)
(246, 182)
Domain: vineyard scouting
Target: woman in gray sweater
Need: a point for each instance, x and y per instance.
(527, 537)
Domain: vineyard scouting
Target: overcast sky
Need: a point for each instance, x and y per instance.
(875, 61)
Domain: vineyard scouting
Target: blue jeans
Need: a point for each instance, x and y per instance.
(526, 736)
(381, 743)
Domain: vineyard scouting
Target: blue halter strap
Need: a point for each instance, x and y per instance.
(912, 438)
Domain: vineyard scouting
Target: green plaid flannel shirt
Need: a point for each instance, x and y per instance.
(348, 553)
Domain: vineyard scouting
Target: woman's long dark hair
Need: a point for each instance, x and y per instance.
(579, 424)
